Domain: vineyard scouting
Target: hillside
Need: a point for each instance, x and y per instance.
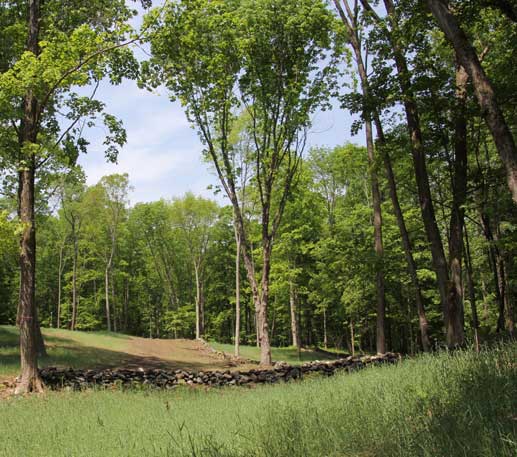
(115, 350)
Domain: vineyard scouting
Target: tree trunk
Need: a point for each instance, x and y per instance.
(471, 289)
(29, 379)
(60, 275)
(352, 337)
(107, 298)
(237, 292)
(378, 244)
(126, 305)
(506, 318)
(325, 338)
(483, 90)
(454, 324)
(113, 304)
(295, 333)
(198, 302)
(74, 283)
(406, 243)
(420, 166)
(499, 272)
(265, 346)
(350, 24)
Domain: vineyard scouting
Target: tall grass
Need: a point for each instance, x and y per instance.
(448, 405)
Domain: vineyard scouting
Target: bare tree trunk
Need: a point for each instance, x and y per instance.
(408, 249)
(353, 37)
(419, 160)
(352, 337)
(454, 324)
(506, 317)
(198, 302)
(237, 292)
(379, 248)
(126, 304)
(471, 289)
(74, 283)
(29, 379)
(499, 272)
(265, 346)
(483, 90)
(60, 275)
(294, 316)
(106, 297)
(325, 338)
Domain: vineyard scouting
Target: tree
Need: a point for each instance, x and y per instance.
(61, 51)
(72, 193)
(483, 89)
(217, 58)
(195, 217)
(352, 27)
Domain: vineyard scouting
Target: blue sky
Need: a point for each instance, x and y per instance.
(163, 152)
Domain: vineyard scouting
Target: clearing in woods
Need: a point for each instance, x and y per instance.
(116, 350)
(111, 350)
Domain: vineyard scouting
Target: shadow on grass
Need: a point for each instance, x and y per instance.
(66, 352)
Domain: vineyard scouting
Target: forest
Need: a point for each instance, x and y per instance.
(406, 244)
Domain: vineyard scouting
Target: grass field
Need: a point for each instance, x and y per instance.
(285, 354)
(65, 348)
(108, 350)
(103, 349)
(442, 405)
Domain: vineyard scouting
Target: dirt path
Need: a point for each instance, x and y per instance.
(172, 354)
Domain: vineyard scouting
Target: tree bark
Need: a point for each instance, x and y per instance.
(237, 292)
(295, 333)
(60, 275)
(265, 345)
(354, 40)
(199, 304)
(29, 379)
(483, 90)
(325, 337)
(406, 242)
(497, 264)
(107, 298)
(419, 159)
(352, 337)
(74, 280)
(471, 289)
(454, 324)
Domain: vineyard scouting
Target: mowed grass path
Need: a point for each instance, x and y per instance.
(433, 406)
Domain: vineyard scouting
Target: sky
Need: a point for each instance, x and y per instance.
(162, 155)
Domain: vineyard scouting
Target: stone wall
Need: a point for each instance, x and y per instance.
(57, 379)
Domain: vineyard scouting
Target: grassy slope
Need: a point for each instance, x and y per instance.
(103, 349)
(436, 406)
(65, 348)
(286, 354)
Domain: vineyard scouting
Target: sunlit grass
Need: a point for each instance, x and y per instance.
(285, 354)
(65, 349)
(435, 406)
